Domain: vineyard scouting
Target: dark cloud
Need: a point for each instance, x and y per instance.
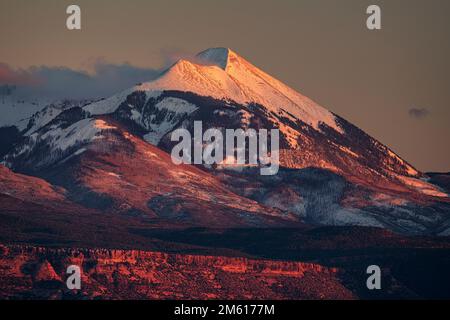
(60, 82)
(104, 79)
(418, 113)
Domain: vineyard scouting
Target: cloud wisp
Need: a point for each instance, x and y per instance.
(418, 113)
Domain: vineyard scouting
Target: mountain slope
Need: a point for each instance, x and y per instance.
(103, 166)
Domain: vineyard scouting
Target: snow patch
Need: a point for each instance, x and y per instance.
(176, 107)
(348, 151)
(109, 105)
(422, 186)
(102, 125)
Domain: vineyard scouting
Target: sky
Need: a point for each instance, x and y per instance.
(393, 83)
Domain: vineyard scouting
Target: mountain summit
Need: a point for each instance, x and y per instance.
(221, 57)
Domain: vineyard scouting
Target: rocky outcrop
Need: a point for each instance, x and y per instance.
(38, 272)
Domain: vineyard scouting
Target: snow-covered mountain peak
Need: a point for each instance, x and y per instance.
(220, 57)
(222, 74)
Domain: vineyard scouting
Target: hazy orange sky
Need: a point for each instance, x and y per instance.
(393, 83)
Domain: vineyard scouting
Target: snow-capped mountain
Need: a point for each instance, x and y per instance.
(224, 90)
(332, 172)
(222, 74)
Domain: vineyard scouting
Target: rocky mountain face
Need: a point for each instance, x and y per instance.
(411, 268)
(33, 272)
